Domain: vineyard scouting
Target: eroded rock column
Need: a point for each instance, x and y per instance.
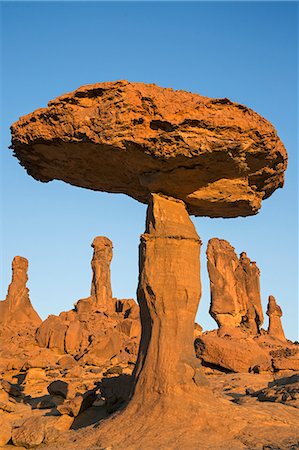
(17, 306)
(254, 316)
(101, 279)
(275, 313)
(228, 290)
(168, 293)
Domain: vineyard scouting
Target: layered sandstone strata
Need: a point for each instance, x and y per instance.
(221, 158)
(101, 279)
(274, 313)
(235, 288)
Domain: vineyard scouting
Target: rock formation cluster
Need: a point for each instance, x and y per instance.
(240, 344)
(99, 327)
(275, 326)
(180, 153)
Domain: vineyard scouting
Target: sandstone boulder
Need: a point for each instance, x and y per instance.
(78, 404)
(219, 157)
(232, 354)
(99, 327)
(29, 432)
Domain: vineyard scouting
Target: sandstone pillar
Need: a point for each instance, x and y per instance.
(168, 293)
(254, 316)
(17, 306)
(228, 290)
(101, 279)
(275, 326)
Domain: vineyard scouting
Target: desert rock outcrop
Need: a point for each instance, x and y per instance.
(169, 291)
(180, 153)
(17, 308)
(240, 344)
(219, 157)
(101, 280)
(254, 316)
(235, 288)
(275, 313)
(99, 327)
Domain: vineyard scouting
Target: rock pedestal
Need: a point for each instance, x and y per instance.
(169, 390)
(101, 279)
(168, 293)
(275, 313)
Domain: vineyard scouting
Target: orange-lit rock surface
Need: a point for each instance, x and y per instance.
(218, 156)
(180, 153)
(240, 344)
(235, 287)
(99, 327)
(274, 313)
(17, 309)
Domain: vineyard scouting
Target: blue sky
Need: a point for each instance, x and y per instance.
(246, 51)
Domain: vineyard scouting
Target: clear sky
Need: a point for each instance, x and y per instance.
(244, 51)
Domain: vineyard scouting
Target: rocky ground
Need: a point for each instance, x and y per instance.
(66, 382)
(39, 407)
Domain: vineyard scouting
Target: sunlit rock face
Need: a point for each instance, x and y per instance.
(221, 158)
(17, 309)
(235, 288)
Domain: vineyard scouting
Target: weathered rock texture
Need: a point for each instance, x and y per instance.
(168, 385)
(99, 327)
(168, 293)
(235, 287)
(17, 308)
(101, 282)
(275, 313)
(218, 156)
(254, 316)
(240, 345)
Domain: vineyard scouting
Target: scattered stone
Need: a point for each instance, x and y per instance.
(116, 370)
(11, 389)
(78, 404)
(35, 374)
(58, 387)
(29, 432)
(67, 362)
(7, 408)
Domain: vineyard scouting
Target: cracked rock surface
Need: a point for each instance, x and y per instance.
(220, 157)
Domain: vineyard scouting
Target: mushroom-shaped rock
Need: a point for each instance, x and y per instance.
(219, 157)
(180, 153)
(275, 313)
